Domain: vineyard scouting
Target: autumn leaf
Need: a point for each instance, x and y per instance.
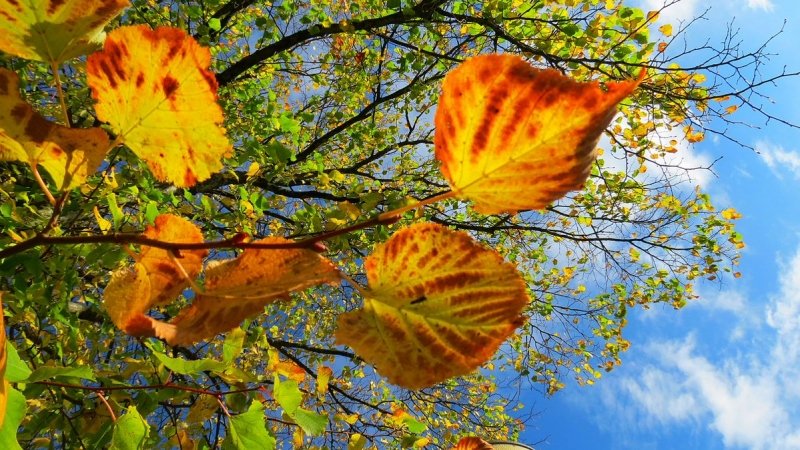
(156, 277)
(731, 214)
(155, 90)
(511, 137)
(472, 443)
(68, 155)
(439, 306)
(241, 287)
(57, 30)
(4, 386)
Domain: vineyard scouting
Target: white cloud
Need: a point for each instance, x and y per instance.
(675, 12)
(778, 159)
(764, 5)
(746, 392)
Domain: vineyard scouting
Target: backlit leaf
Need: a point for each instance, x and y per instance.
(48, 372)
(439, 306)
(241, 287)
(130, 431)
(55, 30)
(15, 412)
(155, 278)
(4, 386)
(248, 430)
(511, 137)
(155, 89)
(68, 155)
(472, 443)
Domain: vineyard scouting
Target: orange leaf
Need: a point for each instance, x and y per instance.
(155, 89)
(472, 443)
(68, 155)
(240, 288)
(511, 137)
(167, 280)
(55, 31)
(439, 306)
(155, 278)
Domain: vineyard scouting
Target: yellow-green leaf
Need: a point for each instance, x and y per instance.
(155, 89)
(55, 31)
(4, 386)
(439, 306)
(511, 137)
(69, 155)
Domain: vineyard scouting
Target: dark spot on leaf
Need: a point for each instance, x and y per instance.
(169, 85)
(54, 5)
(139, 80)
(418, 300)
(20, 111)
(108, 73)
(38, 128)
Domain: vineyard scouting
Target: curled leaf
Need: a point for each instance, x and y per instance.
(69, 155)
(511, 137)
(240, 288)
(439, 306)
(155, 89)
(57, 30)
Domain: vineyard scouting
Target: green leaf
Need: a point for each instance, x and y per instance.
(414, 426)
(47, 372)
(151, 212)
(289, 124)
(130, 431)
(289, 396)
(312, 423)
(248, 430)
(113, 208)
(185, 367)
(15, 412)
(214, 24)
(233, 345)
(16, 369)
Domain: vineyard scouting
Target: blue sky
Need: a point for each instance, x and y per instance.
(723, 372)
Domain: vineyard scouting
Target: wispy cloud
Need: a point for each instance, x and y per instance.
(748, 394)
(675, 12)
(778, 159)
(764, 5)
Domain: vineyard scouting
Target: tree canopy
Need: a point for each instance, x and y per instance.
(355, 224)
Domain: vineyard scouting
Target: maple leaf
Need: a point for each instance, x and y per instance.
(155, 90)
(55, 31)
(156, 277)
(439, 306)
(68, 155)
(511, 137)
(472, 443)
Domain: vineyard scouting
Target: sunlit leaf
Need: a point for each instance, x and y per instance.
(241, 287)
(157, 277)
(185, 367)
(439, 305)
(731, 214)
(16, 369)
(68, 155)
(155, 89)
(15, 412)
(289, 396)
(4, 386)
(248, 430)
(511, 137)
(472, 443)
(56, 30)
(130, 431)
(48, 372)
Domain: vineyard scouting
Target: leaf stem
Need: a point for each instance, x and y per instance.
(102, 397)
(60, 93)
(395, 213)
(42, 184)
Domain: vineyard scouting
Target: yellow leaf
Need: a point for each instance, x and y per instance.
(666, 30)
(439, 305)
(472, 443)
(324, 375)
(102, 222)
(155, 90)
(731, 109)
(68, 155)
(4, 386)
(511, 137)
(55, 31)
(241, 287)
(253, 169)
(731, 214)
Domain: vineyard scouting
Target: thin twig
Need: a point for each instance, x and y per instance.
(42, 184)
(102, 397)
